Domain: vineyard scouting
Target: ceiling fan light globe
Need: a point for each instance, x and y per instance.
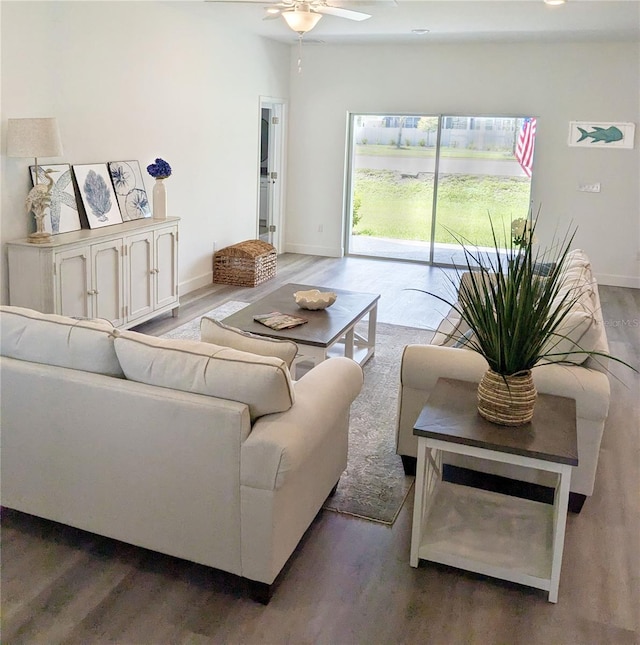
(301, 21)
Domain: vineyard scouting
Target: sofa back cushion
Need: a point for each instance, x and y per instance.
(85, 345)
(577, 333)
(263, 383)
(213, 331)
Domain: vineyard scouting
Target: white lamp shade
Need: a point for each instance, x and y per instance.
(33, 138)
(301, 21)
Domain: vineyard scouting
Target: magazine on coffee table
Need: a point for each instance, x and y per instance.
(276, 320)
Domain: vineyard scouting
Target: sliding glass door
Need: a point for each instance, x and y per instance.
(419, 184)
(392, 180)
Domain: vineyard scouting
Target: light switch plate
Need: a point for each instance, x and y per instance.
(589, 188)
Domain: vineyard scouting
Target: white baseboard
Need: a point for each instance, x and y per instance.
(618, 280)
(195, 283)
(304, 249)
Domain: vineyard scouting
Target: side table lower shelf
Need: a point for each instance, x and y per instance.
(489, 533)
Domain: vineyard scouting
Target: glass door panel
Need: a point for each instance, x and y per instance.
(391, 185)
(479, 180)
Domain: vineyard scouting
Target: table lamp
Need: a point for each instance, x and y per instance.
(35, 138)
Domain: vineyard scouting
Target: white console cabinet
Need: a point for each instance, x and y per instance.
(126, 273)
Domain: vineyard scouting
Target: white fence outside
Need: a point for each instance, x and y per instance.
(453, 138)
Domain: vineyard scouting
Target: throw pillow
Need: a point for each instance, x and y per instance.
(213, 331)
(544, 269)
(261, 382)
(463, 340)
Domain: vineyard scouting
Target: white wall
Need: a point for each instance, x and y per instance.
(556, 82)
(136, 80)
(139, 80)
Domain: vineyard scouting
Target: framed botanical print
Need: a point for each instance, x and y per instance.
(129, 187)
(63, 215)
(97, 194)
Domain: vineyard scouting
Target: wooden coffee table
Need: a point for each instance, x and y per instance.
(329, 332)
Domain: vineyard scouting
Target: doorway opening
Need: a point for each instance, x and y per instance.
(417, 184)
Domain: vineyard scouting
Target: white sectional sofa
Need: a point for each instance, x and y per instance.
(585, 381)
(190, 449)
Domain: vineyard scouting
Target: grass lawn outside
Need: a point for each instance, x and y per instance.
(397, 207)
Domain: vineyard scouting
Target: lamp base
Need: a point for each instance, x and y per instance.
(40, 237)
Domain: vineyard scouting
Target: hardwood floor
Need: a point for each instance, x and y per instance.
(349, 580)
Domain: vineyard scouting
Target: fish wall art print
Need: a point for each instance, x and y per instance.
(589, 134)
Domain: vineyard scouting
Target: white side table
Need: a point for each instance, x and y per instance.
(486, 532)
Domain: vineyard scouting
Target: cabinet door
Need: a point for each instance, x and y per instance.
(166, 267)
(140, 275)
(72, 283)
(107, 283)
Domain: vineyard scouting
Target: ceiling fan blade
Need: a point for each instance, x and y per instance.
(341, 13)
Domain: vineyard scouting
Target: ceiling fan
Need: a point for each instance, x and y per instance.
(303, 15)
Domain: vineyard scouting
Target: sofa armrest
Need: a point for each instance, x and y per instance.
(589, 387)
(423, 365)
(282, 442)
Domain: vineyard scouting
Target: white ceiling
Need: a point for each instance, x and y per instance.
(450, 21)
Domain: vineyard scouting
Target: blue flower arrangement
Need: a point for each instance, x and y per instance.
(160, 169)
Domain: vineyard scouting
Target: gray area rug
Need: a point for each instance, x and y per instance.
(374, 486)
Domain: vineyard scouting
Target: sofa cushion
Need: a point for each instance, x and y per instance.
(578, 332)
(261, 382)
(216, 332)
(85, 345)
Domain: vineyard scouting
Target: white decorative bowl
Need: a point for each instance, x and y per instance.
(314, 299)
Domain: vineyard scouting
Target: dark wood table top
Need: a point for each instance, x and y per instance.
(325, 326)
(451, 414)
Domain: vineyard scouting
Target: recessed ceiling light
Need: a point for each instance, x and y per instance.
(553, 3)
(420, 32)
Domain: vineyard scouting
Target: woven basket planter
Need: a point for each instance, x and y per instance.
(507, 400)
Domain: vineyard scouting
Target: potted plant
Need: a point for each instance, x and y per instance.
(514, 302)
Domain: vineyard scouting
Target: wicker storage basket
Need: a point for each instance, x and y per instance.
(245, 264)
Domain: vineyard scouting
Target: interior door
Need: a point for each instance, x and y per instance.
(271, 171)
(265, 215)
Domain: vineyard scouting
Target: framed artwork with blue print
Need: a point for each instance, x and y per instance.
(62, 215)
(96, 191)
(130, 192)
